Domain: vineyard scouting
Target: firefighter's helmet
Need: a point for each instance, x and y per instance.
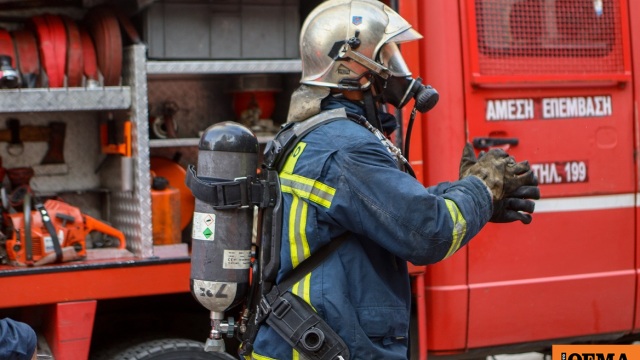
(343, 40)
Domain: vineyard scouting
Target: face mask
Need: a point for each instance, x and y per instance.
(398, 88)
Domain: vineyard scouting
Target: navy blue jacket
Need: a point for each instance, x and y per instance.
(17, 340)
(341, 178)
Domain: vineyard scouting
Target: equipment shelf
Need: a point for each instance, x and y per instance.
(190, 142)
(223, 67)
(65, 99)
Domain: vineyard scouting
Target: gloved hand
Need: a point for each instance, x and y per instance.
(518, 205)
(499, 171)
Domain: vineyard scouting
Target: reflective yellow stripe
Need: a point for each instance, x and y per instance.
(306, 188)
(293, 245)
(303, 288)
(290, 164)
(459, 226)
(301, 188)
(306, 289)
(295, 355)
(302, 230)
(255, 356)
(298, 245)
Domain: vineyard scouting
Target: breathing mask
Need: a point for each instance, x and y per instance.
(394, 84)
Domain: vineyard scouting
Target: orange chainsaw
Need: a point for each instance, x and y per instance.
(54, 232)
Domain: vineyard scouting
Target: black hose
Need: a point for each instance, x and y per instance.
(407, 141)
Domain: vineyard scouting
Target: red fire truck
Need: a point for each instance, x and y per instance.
(550, 81)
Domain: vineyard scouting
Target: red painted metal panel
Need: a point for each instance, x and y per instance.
(69, 328)
(520, 41)
(634, 8)
(554, 244)
(444, 130)
(447, 301)
(604, 142)
(408, 9)
(542, 309)
(447, 318)
(570, 272)
(567, 274)
(443, 139)
(105, 283)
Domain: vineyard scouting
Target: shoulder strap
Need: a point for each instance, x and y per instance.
(276, 153)
(278, 149)
(308, 265)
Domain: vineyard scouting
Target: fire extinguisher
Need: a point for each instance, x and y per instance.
(222, 223)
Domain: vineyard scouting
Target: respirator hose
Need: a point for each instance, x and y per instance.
(407, 141)
(426, 98)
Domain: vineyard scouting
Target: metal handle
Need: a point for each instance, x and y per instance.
(487, 142)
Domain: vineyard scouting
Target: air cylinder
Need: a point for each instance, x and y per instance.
(222, 237)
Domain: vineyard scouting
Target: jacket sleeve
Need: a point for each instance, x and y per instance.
(418, 224)
(17, 340)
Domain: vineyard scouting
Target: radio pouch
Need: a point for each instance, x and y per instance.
(298, 324)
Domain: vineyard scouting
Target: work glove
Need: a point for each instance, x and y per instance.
(517, 206)
(499, 171)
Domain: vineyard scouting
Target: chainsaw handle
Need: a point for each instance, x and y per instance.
(92, 224)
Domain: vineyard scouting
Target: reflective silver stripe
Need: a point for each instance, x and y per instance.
(299, 234)
(585, 203)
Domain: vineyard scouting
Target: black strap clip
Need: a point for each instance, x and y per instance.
(223, 194)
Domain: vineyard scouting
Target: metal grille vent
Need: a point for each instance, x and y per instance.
(528, 37)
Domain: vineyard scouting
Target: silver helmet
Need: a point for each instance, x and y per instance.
(343, 40)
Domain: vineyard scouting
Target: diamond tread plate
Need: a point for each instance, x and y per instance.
(223, 67)
(69, 99)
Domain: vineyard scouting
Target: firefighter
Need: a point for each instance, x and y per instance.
(17, 340)
(344, 178)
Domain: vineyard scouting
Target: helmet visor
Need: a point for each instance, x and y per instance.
(391, 58)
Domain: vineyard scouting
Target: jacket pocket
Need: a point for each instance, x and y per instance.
(386, 324)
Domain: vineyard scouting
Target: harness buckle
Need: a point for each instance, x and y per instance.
(244, 183)
(263, 310)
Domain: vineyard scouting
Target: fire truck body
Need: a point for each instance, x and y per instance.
(551, 81)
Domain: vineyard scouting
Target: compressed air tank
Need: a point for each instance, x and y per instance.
(222, 237)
